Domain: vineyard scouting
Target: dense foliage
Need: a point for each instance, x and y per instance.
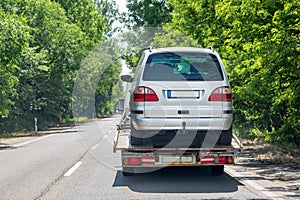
(260, 44)
(147, 13)
(42, 46)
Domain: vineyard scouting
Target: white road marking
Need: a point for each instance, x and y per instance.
(72, 169)
(95, 146)
(104, 137)
(32, 141)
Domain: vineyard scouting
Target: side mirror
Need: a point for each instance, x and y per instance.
(126, 78)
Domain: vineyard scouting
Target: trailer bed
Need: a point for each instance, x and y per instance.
(146, 158)
(122, 143)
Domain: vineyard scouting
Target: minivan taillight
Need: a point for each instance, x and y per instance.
(221, 94)
(142, 93)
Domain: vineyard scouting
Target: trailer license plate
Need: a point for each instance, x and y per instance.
(176, 160)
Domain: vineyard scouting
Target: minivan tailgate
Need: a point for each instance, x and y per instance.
(179, 99)
(183, 94)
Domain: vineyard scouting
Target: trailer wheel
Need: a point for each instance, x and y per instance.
(225, 137)
(217, 170)
(127, 172)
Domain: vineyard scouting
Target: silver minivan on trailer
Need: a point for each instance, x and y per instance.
(180, 89)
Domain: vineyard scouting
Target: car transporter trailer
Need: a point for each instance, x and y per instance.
(145, 158)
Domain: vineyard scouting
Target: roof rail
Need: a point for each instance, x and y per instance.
(210, 47)
(150, 48)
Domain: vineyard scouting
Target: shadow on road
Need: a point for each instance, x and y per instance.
(178, 180)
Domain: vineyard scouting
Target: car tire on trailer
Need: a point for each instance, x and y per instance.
(217, 170)
(135, 141)
(225, 137)
(135, 137)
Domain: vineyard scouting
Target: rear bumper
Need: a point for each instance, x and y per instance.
(145, 123)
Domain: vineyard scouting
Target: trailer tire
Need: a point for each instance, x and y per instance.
(127, 174)
(217, 170)
(225, 137)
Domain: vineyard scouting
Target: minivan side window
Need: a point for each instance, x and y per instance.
(136, 74)
(183, 66)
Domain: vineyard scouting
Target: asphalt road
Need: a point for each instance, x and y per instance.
(78, 163)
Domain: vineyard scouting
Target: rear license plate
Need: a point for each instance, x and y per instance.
(176, 160)
(194, 94)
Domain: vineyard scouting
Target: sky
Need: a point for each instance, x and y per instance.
(122, 5)
(122, 8)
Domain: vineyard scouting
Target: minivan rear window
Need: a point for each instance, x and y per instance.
(183, 66)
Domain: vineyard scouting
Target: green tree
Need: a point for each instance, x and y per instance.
(14, 42)
(110, 14)
(147, 13)
(259, 41)
(46, 70)
(96, 88)
(43, 74)
(169, 37)
(88, 17)
(144, 19)
(198, 20)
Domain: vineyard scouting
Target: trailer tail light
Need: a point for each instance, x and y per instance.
(148, 160)
(221, 94)
(225, 160)
(211, 159)
(207, 160)
(132, 161)
(142, 94)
